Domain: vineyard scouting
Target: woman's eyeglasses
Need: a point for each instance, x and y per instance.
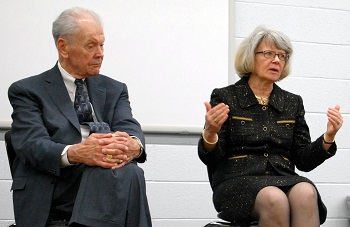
(271, 55)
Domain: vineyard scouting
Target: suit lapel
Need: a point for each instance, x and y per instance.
(97, 95)
(57, 90)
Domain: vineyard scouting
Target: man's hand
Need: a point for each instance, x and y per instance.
(128, 149)
(89, 152)
(113, 150)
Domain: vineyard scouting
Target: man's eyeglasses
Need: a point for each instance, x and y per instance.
(270, 54)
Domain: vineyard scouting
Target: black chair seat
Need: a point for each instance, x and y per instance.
(220, 224)
(229, 224)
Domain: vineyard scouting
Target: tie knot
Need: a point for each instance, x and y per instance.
(79, 82)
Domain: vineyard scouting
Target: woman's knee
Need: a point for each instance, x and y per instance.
(271, 201)
(303, 194)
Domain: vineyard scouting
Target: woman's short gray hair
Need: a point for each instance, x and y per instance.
(245, 55)
(67, 22)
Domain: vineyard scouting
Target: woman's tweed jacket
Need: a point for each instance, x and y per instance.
(261, 142)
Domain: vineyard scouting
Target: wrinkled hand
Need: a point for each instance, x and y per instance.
(89, 151)
(335, 122)
(122, 151)
(113, 150)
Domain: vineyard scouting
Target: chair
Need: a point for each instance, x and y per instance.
(229, 224)
(11, 155)
(221, 224)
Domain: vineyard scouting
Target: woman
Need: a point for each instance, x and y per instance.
(255, 135)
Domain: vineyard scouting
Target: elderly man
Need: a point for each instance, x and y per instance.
(76, 140)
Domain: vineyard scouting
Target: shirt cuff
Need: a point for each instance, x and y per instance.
(64, 157)
(141, 145)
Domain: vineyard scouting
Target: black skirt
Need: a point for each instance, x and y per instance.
(234, 198)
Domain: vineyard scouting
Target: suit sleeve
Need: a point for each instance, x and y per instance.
(123, 120)
(307, 155)
(214, 157)
(30, 137)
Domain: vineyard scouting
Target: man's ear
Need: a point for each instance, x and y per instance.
(63, 47)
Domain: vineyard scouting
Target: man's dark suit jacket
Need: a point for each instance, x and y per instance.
(44, 122)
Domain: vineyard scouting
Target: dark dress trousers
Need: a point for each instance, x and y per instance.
(44, 122)
(259, 146)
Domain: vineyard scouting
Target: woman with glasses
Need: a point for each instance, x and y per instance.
(255, 135)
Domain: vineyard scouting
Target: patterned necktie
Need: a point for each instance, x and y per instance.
(82, 103)
(83, 109)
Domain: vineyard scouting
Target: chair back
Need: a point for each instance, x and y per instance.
(11, 154)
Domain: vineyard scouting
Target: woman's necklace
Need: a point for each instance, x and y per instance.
(262, 100)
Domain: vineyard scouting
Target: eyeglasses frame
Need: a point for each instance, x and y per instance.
(270, 51)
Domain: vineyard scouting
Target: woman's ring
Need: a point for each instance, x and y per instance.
(109, 156)
(216, 120)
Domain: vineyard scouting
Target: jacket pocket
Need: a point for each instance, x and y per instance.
(241, 164)
(237, 157)
(285, 128)
(242, 125)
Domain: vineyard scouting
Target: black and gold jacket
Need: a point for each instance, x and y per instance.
(255, 136)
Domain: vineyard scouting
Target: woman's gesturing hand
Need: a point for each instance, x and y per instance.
(335, 121)
(215, 117)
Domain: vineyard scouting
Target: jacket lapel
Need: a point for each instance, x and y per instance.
(277, 98)
(246, 96)
(57, 90)
(97, 95)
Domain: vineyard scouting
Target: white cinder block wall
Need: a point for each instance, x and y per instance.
(177, 185)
